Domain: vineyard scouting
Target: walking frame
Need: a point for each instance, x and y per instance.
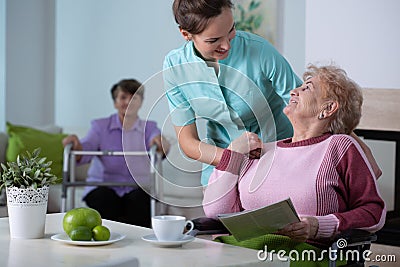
(69, 179)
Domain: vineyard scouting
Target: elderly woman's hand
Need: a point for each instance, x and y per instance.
(76, 144)
(307, 228)
(162, 144)
(246, 143)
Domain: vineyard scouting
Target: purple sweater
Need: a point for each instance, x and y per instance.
(328, 177)
(106, 134)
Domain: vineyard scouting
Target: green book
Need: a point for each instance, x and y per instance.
(266, 220)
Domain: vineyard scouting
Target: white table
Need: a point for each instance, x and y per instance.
(127, 252)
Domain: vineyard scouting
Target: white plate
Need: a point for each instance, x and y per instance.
(63, 237)
(153, 239)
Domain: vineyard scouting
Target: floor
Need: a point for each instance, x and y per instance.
(391, 255)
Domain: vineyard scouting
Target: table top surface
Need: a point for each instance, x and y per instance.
(126, 252)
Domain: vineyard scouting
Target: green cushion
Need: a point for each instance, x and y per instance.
(22, 139)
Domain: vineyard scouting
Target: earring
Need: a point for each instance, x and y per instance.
(321, 116)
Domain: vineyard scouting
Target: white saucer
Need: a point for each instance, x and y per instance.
(178, 243)
(64, 238)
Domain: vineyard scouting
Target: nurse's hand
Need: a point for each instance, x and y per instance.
(247, 143)
(255, 154)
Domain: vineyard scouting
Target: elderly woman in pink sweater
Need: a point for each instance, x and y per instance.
(321, 168)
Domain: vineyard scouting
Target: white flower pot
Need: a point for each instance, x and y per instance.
(27, 212)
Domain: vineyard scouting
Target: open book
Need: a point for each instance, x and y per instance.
(248, 224)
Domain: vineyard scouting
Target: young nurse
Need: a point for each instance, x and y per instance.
(236, 81)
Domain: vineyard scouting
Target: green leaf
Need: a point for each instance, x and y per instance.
(254, 5)
(257, 21)
(42, 160)
(35, 153)
(47, 164)
(242, 12)
(4, 167)
(250, 20)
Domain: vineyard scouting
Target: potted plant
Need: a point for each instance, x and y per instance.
(27, 182)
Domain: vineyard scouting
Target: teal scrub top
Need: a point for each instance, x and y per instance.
(249, 92)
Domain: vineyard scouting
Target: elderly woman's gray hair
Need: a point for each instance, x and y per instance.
(337, 86)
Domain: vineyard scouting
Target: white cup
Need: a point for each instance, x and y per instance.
(170, 227)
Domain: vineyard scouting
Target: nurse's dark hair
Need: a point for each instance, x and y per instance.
(130, 86)
(193, 15)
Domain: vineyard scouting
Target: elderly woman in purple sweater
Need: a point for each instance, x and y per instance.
(121, 131)
(322, 168)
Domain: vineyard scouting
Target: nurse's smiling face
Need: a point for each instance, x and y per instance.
(214, 42)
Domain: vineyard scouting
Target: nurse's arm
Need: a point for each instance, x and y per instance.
(191, 145)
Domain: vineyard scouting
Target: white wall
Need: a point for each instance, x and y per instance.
(293, 32)
(100, 42)
(2, 64)
(362, 36)
(29, 61)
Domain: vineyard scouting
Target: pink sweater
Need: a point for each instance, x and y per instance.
(328, 177)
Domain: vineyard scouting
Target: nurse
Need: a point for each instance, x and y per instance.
(237, 81)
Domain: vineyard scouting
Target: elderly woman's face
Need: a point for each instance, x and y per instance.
(305, 101)
(125, 100)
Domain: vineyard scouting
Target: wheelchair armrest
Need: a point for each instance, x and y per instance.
(356, 236)
(355, 239)
(208, 226)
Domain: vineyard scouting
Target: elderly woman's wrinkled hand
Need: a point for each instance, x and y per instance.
(246, 143)
(162, 144)
(76, 144)
(307, 228)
